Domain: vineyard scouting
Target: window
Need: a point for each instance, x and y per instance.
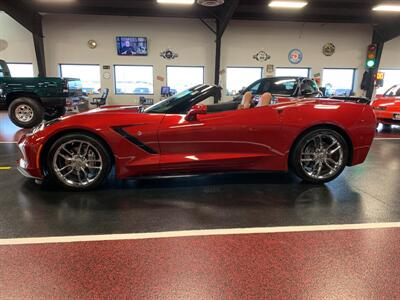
(20, 70)
(88, 74)
(182, 78)
(391, 78)
(296, 72)
(338, 82)
(239, 78)
(134, 80)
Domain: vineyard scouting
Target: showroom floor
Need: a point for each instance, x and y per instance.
(204, 237)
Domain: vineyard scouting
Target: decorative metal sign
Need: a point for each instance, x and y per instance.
(295, 56)
(168, 54)
(328, 49)
(262, 56)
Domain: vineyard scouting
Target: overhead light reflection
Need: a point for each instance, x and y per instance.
(176, 1)
(288, 4)
(387, 8)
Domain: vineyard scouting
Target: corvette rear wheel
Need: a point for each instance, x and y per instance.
(78, 162)
(320, 156)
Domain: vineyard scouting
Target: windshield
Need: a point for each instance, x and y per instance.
(165, 105)
(182, 102)
(393, 91)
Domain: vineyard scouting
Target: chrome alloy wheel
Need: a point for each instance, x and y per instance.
(322, 156)
(77, 163)
(24, 113)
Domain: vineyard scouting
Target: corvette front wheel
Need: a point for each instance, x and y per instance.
(78, 162)
(320, 156)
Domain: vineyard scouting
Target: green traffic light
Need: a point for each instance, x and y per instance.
(370, 63)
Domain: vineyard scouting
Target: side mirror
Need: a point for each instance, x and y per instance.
(194, 111)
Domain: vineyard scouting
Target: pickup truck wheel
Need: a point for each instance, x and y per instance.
(54, 113)
(25, 112)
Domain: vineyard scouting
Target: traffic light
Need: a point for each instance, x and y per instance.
(371, 56)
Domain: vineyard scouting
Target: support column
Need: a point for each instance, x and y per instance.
(37, 34)
(218, 42)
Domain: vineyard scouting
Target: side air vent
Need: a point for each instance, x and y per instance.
(210, 3)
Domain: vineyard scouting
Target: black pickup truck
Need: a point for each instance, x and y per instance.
(31, 100)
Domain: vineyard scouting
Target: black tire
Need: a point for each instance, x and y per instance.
(52, 175)
(54, 113)
(28, 104)
(295, 156)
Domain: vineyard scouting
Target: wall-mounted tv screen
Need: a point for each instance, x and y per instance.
(132, 46)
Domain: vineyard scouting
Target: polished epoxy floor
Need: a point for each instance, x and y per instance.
(231, 266)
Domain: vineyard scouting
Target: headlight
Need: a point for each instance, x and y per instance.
(43, 125)
(1, 91)
(379, 107)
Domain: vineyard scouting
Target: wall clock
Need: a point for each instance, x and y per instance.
(92, 44)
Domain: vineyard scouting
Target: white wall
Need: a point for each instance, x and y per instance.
(66, 42)
(243, 39)
(66, 38)
(391, 55)
(20, 42)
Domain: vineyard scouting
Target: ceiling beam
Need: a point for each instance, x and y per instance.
(19, 12)
(32, 21)
(388, 30)
(227, 14)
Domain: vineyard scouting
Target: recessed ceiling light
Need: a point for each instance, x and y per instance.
(387, 7)
(56, 1)
(176, 1)
(287, 4)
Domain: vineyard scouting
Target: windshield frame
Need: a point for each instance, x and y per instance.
(394, 88)
(183, 101)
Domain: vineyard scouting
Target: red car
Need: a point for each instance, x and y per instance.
(387, 107)
(315, 138)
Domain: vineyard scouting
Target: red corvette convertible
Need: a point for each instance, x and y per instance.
(387, 108)
(316, 138)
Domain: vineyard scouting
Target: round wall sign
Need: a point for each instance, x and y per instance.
(328, 49)
(295, 56)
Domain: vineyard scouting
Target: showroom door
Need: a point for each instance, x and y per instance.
(215, 141)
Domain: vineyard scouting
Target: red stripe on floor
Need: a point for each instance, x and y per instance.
(346, 264)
